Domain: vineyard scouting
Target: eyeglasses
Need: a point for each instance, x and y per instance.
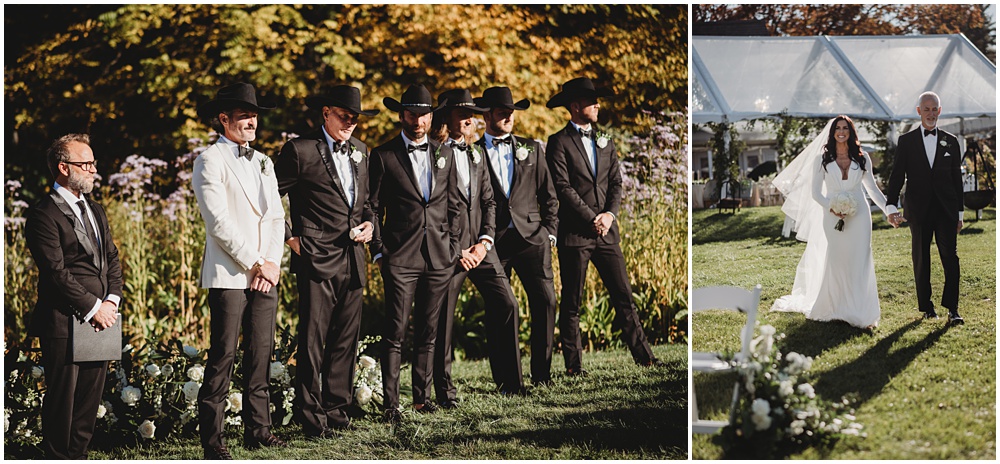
(85, 165)
(347, 118)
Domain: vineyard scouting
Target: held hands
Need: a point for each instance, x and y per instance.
(105, 316)
(602, 223)
(895, 219)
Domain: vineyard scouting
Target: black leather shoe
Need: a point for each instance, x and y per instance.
(518, 391)
(270, 441)
(449, 404)
(427, 408)
(955, 319)
(392, 416)
(655, 363)
(579, 371)
(218, 453)
(930, 314)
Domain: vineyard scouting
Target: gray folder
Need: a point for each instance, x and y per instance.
(89, 345)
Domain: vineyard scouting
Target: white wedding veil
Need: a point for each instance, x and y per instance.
(795, 183)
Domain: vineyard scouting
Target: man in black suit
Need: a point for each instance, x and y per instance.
(584, 167)
(79, 278)
(411, 192)
(479, 262)
(325, 175)
(526, 217)
(929, 160)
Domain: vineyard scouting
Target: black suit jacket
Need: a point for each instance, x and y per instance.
(532, 205)
(477, 212)
(582, 195)
(72, 275)
(321, 216)
(407, 221)
(942, 184)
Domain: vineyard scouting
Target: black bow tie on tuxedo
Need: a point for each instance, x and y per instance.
(412, 147)
(245, 152)
(930, 132)
(340, 148)
(587, 132)
(460, 145)
(498, 141)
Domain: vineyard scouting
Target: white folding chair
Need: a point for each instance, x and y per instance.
(732, 298)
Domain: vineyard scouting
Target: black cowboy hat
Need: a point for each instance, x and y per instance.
(500, 97)
(238, 95)
(576, 88)
(459, 98)
(341, 96)
(416, 99)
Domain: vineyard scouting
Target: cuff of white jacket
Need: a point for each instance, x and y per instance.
(890, 210)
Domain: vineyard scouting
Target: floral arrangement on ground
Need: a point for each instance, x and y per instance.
(778, 411)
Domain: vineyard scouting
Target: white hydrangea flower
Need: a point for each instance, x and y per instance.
(761, 416)
(807, 390)
(786, 388)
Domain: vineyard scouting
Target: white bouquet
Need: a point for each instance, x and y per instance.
(845, 204)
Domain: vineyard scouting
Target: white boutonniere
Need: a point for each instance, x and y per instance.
(439, 161)
(522, 151)
(476, 156)
(943, 143)
(357, 156)
(265, 166)
(603, 139)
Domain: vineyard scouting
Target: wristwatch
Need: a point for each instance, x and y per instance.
(487, 245)
(259, 263)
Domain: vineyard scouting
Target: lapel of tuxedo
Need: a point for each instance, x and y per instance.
(81, 233)
(939, 150)
(473, 174)
(241, 177)
(331, 169)
(516, 168)
(102, 225)
(403, 157)
(433, 148)
(494, 176)
(354, 172)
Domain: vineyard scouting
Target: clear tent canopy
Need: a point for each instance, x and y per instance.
(865, 77)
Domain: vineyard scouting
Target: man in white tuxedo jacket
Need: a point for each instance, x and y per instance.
(237, 194)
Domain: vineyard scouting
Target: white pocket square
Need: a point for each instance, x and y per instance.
(946, 154)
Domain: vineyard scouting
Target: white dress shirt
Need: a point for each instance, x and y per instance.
(342, 164)
(588, 145)
(251, 170)
(464, 169)
(502, 160)
(72, 200)
(420, 160)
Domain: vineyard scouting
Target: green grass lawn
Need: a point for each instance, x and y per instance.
(620, 411)
(924, 391)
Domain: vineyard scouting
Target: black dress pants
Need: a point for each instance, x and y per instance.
(73, 393)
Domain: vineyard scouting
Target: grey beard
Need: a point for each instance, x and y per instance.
(80, 183)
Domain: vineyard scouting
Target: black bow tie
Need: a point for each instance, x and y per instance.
(412, 147)
(245, 152)
(587, 132)
(460, 145)
(340, 148)
(930, 132)
(498, 141)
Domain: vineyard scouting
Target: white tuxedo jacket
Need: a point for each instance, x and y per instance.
(244, 218)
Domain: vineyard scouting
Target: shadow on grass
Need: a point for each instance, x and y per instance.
(811, 338)
(747, 224)
(867, 375)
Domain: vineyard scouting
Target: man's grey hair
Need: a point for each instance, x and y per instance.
(216, 124)
(928, 95)
(59, 151)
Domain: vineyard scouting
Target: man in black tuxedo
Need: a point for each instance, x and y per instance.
(526, 217)
(476, 228)
(411, 192)
(244, 229)
(584, 167)
(930, 161)
(325, 175)
(79, 278)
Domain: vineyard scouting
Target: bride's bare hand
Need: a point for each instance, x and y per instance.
(841, 216)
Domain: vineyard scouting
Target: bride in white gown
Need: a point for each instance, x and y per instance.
(835, 278)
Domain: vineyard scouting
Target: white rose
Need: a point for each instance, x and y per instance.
(440, 163)
(356, 156)
(190, 351)
(196, 373)
(167, 370)
(277, 369)
(363, 395)
(476, 157)
(602, 142)
(522, 153)
(235, 401)
(152, 369)
(190, 390)
(147, 429)
(807, 390)
(131, 395)
(101, 411)
(366, 362)
(37, 372)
